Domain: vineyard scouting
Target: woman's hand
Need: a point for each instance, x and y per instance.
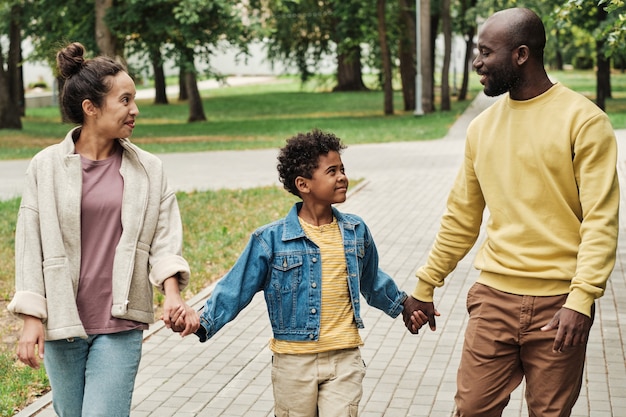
(30, 348)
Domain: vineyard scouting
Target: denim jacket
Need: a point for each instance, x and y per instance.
(283, 263)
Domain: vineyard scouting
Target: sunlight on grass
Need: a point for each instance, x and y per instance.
(250, 117)
(263, 115)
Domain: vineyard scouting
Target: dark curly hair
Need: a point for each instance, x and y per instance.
(300, 156)
(84, 79)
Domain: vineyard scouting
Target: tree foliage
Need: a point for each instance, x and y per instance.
(302, 33)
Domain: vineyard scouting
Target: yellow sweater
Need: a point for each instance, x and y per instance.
(545, 169)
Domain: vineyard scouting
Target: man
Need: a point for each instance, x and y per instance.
(542, 160)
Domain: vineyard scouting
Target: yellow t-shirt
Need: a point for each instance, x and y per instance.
(337, 327)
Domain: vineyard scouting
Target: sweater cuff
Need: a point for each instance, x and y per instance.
(580, 301)
(423, 291)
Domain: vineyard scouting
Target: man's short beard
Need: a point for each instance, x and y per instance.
(501, 83)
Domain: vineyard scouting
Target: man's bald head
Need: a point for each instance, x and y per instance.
(521, 26)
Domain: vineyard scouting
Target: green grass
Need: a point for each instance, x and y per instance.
(8, 218)
(264, 115)
(217, 225)
(249, 117)
(19, 384)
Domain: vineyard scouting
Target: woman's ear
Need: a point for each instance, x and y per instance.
(89, 108)
(302, 184)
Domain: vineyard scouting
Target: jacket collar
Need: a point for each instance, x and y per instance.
(293, 230)
(68, 146)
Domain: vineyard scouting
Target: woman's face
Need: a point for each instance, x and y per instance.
(116, 118)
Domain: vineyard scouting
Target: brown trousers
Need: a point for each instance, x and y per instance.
(503, 344)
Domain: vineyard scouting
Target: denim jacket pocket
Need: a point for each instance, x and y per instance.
(360, 248)
(283, 290)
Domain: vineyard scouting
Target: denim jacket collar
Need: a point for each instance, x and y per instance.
(291, 224)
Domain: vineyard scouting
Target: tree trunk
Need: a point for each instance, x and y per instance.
(104, 38)
(408, 70)
(385, 56)
(196, 109)
(160, 93)
(559, 55)
(183, 94)
(14, 64)
(468, 31)
(603, 74)
(349, 74)
(446, 26)
(469, 55)
(428, 87)
(9, 112)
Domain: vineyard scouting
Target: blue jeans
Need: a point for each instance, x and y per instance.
(94, 376)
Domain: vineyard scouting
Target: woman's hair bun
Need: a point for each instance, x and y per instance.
(70, 59)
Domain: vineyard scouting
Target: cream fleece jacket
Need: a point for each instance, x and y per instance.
(48, 247)
(545, 169)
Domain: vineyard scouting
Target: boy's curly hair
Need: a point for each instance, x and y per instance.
(300, 156)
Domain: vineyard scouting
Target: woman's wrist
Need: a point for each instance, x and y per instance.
(170, 285)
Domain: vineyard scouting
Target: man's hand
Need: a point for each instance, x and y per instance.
(416, 313)
(31, 345)
(572, 329)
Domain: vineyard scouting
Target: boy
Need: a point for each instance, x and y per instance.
(311, 266)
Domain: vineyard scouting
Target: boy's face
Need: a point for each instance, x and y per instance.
(329, 183)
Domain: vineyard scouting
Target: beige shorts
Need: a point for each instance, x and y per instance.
(327, 384)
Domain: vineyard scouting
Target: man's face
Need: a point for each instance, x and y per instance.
(494, 62)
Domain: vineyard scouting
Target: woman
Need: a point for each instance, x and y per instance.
(96, 227)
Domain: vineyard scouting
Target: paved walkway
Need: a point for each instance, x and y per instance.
(402, 199)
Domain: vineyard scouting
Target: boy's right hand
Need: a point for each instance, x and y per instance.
(417, 313)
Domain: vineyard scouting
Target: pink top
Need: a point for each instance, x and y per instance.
(101, 229)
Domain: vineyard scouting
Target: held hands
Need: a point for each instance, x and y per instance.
(183, 320)
(572, 329)
(178, 316)
(417, 313)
